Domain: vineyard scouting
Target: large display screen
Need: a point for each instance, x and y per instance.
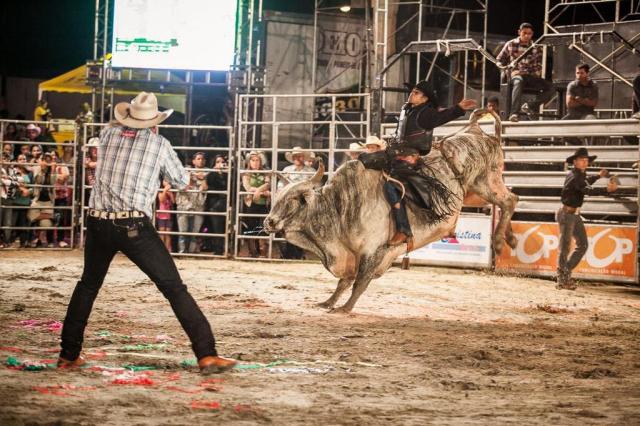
(174, 34)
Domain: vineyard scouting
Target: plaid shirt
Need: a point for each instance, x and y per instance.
(531, 64)
(130, 163)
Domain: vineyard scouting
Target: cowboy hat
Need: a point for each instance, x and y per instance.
(260, 154)
(32, 126)
(298, 151)
(426, 89)
(141, 113)
(355, 147)
(374, 140)
(580, 152)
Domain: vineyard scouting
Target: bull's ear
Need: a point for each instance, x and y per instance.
(317, 178)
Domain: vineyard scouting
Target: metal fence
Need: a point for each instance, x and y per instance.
(327, 124)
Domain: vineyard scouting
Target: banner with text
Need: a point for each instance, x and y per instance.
(470, 247)
(611, 256)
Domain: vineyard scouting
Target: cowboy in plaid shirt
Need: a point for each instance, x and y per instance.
(131, 159)
(527, 72)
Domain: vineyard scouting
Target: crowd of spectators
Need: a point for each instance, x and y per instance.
(37, 189)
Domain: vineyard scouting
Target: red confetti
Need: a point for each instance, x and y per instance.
(243, 408)
(207, 405)
(141, 381)
(95, 355)
(183, 390)
(11, 349)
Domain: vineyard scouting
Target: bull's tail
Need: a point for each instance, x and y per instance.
(476, 114)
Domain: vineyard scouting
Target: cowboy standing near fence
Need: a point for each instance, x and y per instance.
(576, 185)
(131, 159)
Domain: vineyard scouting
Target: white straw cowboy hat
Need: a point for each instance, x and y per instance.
(374, 140)
(141, 113)
(260, 154)
(355, 147)
(297, 150)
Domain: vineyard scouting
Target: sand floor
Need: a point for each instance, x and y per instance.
(428, 345)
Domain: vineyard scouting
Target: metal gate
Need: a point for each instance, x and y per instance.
(271, 126)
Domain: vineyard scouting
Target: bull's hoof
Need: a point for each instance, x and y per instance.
(512, 241)
(340, 310)
(326, 304)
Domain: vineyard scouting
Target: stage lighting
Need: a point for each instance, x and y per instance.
(345, 6)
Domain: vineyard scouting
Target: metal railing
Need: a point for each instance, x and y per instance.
(336, 130)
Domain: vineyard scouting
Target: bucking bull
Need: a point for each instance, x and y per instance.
(347, 222)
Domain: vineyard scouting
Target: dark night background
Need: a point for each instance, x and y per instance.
(44, 38)
(41, 39)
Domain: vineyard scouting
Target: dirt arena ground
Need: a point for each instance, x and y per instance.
(423, 346)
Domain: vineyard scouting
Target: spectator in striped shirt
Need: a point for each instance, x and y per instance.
(132, 157)
(527, 72)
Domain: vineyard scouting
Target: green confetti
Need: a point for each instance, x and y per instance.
(188, 363)
(143, 347)
(257, 366)
(139, 367)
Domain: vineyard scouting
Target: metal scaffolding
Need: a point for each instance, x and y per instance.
(384, 32)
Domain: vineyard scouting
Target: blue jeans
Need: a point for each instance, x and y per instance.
(104, 239)
(394, 195)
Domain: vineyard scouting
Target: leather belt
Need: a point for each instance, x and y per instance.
(100, 214)
(570, 210)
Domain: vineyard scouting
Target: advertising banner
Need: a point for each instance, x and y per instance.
(470, 247)
(611, 256)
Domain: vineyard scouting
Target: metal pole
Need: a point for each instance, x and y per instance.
(104, 57)
(484, 46)
(315, 46)
(466, 59)
(419, 56)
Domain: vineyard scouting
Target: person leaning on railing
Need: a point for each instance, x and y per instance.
(18, 196)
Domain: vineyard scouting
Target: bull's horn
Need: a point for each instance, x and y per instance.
(317, 178)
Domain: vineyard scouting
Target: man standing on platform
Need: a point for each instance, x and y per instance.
(132, 157)
(582, 96)
(576, 185)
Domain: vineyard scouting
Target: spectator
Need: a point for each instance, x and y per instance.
(355, 149)
(7, 149)
(192, 200)
(582, 96)
(20, 198)
(11, 133)
(527, 72)
(166, 199)
(85, 115)
(68, 153)
(296, 172)
(26, 151)
(36, 157)
(42, 111)
(41, 213)
(635, 107)
(63, 193)
(374, 144)
(493, 104)
(217, 181)
(258, 185)
(90, 163)
(33, 133)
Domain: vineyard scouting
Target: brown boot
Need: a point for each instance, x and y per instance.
(65, 363)
(398, 238)
(215, 364)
